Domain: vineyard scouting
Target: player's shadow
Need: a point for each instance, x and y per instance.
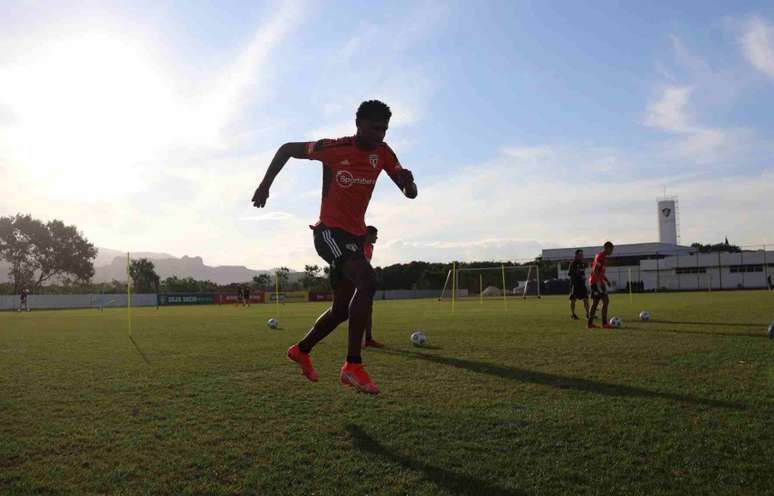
(701, 333)
(565, 382)
(446, 480)
(713, 324)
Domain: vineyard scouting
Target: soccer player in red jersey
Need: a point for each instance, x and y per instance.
(368, 250)
(350, 169)
(598, 283)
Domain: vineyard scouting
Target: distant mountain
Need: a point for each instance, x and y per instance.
(180, 267)
(105, 256)
(111, 264)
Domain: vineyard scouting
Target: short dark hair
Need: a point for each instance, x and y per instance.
(578, 251)
(608, 243)
(373, 109)
(372, 230)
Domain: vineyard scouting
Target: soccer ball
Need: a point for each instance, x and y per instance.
(418, 338)
(272, 323)
(771, 330)
(644, 315)
(616, 322)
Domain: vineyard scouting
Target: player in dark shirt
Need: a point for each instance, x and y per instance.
(350, 169)
(240, 296)
(368, 250)
(578, 289)
(23, 295)
(246, 296)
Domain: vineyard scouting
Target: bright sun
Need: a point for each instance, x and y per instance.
(89, 110)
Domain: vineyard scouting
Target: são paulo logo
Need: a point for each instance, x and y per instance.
(345, 179)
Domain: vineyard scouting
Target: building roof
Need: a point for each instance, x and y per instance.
(629, 250)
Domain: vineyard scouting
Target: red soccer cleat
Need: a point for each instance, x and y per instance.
(608, 326)
(372, 343)
(354, 374)
(592, 326)
(303, 361)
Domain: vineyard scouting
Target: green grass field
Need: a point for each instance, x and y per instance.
(516, 400)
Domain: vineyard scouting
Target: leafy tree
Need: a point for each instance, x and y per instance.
(283, 274)
(143, 274)
(312, 280)
(262, 282)
(187, 285)
(39, 252)
(724, 247)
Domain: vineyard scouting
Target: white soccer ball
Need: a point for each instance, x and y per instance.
(771, 330)
(272, 323)
(644, 315)
(616, 322)
(418, 338)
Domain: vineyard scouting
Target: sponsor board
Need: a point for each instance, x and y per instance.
(320, 296)
(187, 299)
(288, 297)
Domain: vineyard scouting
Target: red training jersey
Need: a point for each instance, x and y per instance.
(349, 177)
(368, 251)
(598, 268)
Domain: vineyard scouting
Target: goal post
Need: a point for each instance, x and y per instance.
(482, 283)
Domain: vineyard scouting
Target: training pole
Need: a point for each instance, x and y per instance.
(630, 286)
(502, 269)
(481, 288)
(454, 284)
(129, 293)
(276, 292)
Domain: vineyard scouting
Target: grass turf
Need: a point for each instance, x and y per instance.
(512, 399)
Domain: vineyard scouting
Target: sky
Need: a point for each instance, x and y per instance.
(528, 125)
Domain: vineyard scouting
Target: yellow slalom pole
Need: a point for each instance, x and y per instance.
(276, 292)
(129, 293)
(630, 287)
(454, 284)
(481, 287)
(502, 268)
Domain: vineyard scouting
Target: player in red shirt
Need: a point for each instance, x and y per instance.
(350, 169)
(598, 283)
(368, 250)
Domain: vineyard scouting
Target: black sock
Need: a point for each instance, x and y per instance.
(305, 348)
(354, 359)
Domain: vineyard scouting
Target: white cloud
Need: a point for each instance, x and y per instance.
(758, 45)
(668, 112)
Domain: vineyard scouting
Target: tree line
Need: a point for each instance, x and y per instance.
(52, 257)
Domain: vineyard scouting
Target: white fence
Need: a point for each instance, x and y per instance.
(51, 302)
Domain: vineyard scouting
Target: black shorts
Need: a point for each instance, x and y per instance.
(579, 292)
(598, 290)
(335, 246)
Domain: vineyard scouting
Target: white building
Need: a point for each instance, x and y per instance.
(667, 265)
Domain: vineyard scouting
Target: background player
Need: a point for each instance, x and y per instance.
(372, 234)
(598, 282)
(351, 167)
(23, 303)
(246, 296)
(578, 289)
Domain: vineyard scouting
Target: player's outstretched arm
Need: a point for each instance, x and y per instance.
(405, 181)
(285, 153)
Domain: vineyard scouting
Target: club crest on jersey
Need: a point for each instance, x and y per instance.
(666, 211)
(374, 159)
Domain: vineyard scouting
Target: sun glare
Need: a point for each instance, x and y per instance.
(90, 110)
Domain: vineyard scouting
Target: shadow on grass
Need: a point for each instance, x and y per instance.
(714, 324)
(446, 480)
(760, 334)
(145, 359)
(564, 382)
